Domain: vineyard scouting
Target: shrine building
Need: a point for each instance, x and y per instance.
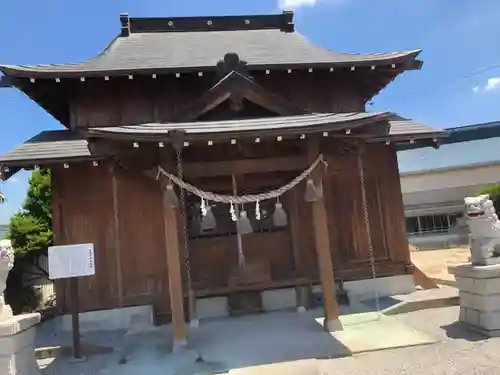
(221, 166)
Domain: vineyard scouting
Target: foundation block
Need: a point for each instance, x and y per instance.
(479, 291)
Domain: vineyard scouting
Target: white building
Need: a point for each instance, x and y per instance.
(435, 182)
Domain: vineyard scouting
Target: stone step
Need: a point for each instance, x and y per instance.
(424, 299)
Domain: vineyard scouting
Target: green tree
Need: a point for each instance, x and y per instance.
(494, 192)
(30, 231)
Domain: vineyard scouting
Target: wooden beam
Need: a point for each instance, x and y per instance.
(322, 239)
(236, 84)
(245, 166)
(267, 99)
(174, 273)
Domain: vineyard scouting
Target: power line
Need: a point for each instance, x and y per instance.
(465, 77)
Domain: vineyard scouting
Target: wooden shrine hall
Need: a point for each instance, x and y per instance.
(223, 165)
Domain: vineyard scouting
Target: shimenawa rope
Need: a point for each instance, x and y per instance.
(243, 198)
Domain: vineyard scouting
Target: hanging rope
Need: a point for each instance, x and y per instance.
(187, 260)
(367, 223)
(116, 228)
(233, 199)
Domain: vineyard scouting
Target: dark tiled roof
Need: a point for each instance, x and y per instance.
(401, 126)
(148, 49)
(260, 126)
(62, 145)
(50, 145)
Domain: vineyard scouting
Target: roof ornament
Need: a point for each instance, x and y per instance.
(288, 26)
(231, 62)
(125, 21)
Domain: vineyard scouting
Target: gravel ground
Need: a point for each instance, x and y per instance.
(459, 352)
(434, 263)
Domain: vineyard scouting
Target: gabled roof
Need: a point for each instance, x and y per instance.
(185, 44)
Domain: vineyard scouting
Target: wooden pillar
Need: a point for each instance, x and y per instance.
(174, 273)
(322, 239)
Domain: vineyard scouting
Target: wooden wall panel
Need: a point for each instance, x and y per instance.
(344, 204)
(393, 208)
(275, 249)
(85, 211)
(212, 260)
(143, 99)
(302, 234)
(142, 240)
(87, 216)
(347, 220)
(317, 92)
(96, 104)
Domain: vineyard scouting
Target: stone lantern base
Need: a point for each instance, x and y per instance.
(17, 336)
(479, 289)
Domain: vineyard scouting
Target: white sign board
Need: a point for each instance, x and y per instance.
(71, 261)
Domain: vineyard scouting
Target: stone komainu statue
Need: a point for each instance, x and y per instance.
(484, 228)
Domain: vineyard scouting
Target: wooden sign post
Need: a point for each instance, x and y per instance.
(72, 262)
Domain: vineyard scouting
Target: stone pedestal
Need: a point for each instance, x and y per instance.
(17, 355)
(479, 289)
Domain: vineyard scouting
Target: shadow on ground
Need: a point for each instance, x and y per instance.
(221, 345)
(458, 330)
(54, 361)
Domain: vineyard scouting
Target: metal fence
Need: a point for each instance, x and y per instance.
(36, 277)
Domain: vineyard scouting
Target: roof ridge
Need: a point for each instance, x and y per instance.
(133, 25)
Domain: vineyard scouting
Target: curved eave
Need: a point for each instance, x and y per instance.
(403, 61)
(419, 140)
(239, 129)
(438, 136)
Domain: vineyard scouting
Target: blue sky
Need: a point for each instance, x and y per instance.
(458, 38)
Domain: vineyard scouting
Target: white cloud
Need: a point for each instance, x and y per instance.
(294, 4)
(492, 84)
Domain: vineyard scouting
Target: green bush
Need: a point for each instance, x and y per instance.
(22, 298)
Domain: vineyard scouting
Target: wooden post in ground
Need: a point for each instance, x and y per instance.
(174, 273)
(322, 239)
